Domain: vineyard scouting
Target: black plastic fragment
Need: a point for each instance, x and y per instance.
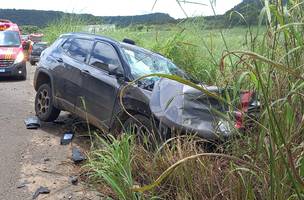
(22, 185)
(67, 138)
(32, 122)
(41, 190)
(77, 156)
(73, 180)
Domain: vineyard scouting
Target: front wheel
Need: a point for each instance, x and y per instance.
(144, 130)
(44, 107)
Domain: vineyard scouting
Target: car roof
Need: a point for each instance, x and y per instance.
(112, 41)
(90, 36)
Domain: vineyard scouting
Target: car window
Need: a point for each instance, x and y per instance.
(102, 55)
(78, 48)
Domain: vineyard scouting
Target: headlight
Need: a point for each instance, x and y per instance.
(223, 128)
(19, 58)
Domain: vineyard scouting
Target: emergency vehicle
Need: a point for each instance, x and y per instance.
(12, 61)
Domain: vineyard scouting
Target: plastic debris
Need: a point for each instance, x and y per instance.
(67, 138)
(32, 122)
(23, 184)
(73, 180)
(59, 122)
(77, 156)
(41, 190)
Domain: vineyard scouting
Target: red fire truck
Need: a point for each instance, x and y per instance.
(12, 61)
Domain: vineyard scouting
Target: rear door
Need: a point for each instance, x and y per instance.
(100, 89)
(75, 54)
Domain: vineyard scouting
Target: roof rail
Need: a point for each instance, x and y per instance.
(129, 41)
(5, 21)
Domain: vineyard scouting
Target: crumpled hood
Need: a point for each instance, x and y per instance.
(9, 53)
(186, 108)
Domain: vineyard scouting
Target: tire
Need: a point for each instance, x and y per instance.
(32, 62)
(144, 130)
(44, 107)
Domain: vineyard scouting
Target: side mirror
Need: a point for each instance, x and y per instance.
(115, 70)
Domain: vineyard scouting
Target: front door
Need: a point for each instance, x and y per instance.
(100, 89)
(76, 53)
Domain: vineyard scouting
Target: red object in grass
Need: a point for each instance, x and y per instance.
(244, 104)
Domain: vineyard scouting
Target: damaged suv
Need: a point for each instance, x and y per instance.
(84, 74)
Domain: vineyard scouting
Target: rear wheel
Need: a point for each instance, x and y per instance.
(44, 107)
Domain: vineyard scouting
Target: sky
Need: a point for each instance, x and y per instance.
(123, 7)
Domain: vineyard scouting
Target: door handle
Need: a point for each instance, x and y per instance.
(84, 71)
(59, 60)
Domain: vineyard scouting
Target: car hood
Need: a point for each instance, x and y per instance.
(188, 109)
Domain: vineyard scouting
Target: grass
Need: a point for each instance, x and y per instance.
(265, 162)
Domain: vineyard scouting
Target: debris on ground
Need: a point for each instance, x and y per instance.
(41, 190)
(67, 138)
(77, 156)
(22, 185)
(73, 180)
(32, 122)
(59, 122)
(46, 159)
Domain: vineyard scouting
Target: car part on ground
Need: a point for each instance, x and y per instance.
(41, 190)
(32, 122)
(67, 138)
(77, 156)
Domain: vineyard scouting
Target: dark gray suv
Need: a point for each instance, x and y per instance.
(84, 74)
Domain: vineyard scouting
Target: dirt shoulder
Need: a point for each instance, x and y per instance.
(34, 158)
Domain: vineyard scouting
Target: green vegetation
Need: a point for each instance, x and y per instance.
(65, 24)
(265, 162)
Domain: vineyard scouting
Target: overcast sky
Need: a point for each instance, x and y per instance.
(121, 7)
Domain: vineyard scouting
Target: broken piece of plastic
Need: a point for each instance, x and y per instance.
(67, 138)
(77, 156)
(73, 180)
(32, 122)
(41, 190)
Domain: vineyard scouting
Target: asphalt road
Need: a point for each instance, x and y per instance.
(15, 106)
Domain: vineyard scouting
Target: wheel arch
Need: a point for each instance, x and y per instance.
(43, 77)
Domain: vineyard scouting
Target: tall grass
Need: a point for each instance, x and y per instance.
(111, 164)
(67, 23)
(266, 162)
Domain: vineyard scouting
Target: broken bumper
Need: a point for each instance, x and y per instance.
(187, 110)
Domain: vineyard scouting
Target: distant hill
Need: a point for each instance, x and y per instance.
(41, 18)
(250, 9)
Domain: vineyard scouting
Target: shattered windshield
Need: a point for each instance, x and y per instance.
(9, 39)
(145, 63)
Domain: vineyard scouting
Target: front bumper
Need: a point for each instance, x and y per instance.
(18, 69)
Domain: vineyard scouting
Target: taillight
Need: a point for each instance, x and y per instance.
(244, 105)
(238, 120)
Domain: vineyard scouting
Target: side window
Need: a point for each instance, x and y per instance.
(103, 55)
(78, 49)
